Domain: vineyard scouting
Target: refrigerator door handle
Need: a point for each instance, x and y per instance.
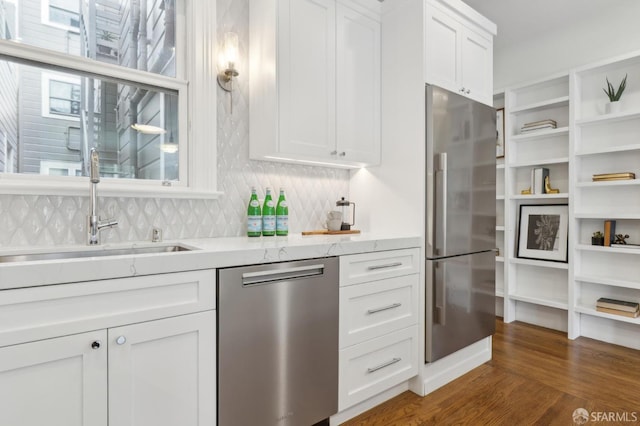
(440, 222)
(440, 296)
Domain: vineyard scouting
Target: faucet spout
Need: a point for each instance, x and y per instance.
(94, 224)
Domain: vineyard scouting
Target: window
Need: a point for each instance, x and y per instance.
(63, 14)
(127, 94)
(60, 96)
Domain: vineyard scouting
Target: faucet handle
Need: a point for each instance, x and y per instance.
(108, 223)
(156, 235)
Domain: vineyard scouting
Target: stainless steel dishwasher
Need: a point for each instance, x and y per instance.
(278, 343)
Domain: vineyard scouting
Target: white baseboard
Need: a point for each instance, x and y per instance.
(439, 373)
(360, 408)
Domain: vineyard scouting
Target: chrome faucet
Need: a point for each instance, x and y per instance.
(94, 224)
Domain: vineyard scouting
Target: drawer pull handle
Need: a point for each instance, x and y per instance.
(384, 308)
(388, 265)
(383, 365)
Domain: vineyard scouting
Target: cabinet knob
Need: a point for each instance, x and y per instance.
(121, 340)
(333, 152)
(96, 344)
(467, 91)
(461, 90)
(342, 154)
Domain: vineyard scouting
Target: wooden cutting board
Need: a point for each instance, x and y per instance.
(327, 232)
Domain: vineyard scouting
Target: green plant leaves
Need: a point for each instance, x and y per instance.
(611, 92)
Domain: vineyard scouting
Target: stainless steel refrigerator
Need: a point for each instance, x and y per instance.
(460, 222)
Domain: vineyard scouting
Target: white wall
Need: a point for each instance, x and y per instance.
(612, 32)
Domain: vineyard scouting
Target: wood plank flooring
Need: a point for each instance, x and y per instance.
(536, 377)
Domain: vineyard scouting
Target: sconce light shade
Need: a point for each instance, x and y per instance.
(228, 59)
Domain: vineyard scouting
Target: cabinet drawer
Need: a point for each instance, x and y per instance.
(372, 309)
(36, 313)
(359, 268)
(377, 365)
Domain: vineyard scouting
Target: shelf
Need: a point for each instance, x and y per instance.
(628, 182)
(539, 263)
(607, 149)
(499, 227)
(542, 162)
(539, 196)
(499, 259)
(608, 281)
(608, 118)
(617, 248)
(499, 197)
(499, 293)
(593, 312)
(537, 106)
(500, 166)
(607, 216)
(540, 134)
(552, 303)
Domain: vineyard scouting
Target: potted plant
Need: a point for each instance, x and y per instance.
(597, 239)
(614, 95)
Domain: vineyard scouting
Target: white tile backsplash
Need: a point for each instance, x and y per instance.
(311, 191)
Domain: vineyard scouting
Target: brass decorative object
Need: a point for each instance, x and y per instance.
(526, 191)
(547, 187)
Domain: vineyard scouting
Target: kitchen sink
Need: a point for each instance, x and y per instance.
(92, 252)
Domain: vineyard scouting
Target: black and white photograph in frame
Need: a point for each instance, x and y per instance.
(543, 231)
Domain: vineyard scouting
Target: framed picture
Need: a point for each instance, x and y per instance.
(543, 232)
(500, 133)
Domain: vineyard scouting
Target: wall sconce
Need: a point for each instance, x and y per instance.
(228, 58)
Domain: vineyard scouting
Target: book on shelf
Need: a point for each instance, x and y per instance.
(536, 128)
(614, 176)
(538, 175)
(620, 305)
(541, 122)
(617, 312)
(609, 232)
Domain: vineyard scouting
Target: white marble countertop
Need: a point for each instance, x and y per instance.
(207, 253)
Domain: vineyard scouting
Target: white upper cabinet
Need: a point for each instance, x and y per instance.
(314, 82)
(459, 50)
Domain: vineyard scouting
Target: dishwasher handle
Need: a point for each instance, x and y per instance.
(275, 275)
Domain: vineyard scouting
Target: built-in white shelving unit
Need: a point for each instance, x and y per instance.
(587, 141)
(536, 291)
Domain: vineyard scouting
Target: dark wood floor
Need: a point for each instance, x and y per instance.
(536, 377)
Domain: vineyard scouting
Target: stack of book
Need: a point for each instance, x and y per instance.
(618, 307)
(614, 176)
(538, 125)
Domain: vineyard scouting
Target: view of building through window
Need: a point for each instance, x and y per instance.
(53, 116)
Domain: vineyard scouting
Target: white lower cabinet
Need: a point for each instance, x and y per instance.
(55, 382)
(154, 373)
(162, 373)
(378, 323)
(150, 361)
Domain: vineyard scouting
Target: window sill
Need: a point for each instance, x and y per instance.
(80, 187)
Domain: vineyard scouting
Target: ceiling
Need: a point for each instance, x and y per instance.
(518, 20)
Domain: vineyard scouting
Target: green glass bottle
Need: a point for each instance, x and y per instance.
(254, 216)
(268, 216)
(282, 215)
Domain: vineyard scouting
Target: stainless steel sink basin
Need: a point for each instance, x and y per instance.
(91, 252)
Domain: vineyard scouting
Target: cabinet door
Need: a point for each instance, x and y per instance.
(162, 373)
(307, 78)
(55, 382)
(443, 55)
(358, 87)
(477, 67)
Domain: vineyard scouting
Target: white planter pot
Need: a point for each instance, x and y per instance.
(612, 107)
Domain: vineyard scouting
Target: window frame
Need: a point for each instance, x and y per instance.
(196, 87)
(47, 77)
(45, 7)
